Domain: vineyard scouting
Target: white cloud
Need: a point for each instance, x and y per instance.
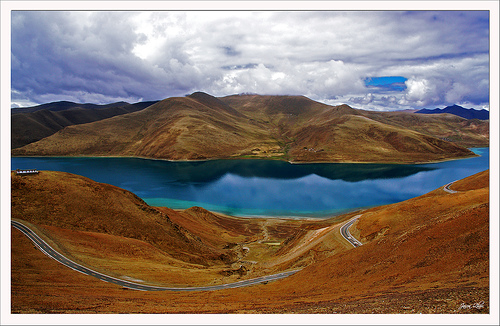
(324, 55)
(421, 91)
(367, 99)
(456, 93)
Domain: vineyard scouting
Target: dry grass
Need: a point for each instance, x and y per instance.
(134, 260)
(429, 254)
(76, 203)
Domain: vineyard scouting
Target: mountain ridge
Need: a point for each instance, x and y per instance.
(65, 105)
(291, 128)
(29, 125)
(459, 111)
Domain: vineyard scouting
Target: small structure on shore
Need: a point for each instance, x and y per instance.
(26, 172)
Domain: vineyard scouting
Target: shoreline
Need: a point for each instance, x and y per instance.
(311, 217)
(252, 158)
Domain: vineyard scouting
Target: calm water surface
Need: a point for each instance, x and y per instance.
(260, 187)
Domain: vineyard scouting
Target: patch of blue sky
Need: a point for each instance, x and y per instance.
(395, 83)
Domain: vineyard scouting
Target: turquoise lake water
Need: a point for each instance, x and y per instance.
(263, 187)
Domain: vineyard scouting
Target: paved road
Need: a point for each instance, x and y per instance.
(344, 231)
(49, 251)
(447, 188)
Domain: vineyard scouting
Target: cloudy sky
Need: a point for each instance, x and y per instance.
(376, 60)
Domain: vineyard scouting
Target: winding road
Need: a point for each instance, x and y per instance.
(344, 231)
(447, 188)
(49, 251)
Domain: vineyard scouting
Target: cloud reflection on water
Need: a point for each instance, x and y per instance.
(258, 187)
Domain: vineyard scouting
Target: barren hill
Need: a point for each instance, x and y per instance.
(72, 202)
(452, 128)
(32, 124)
(424, 247)
(292, 128)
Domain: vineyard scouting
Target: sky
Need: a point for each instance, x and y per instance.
(372, 60)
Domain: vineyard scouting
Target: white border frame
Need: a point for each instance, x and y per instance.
(278, 319)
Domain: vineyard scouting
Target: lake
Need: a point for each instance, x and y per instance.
(264, 187)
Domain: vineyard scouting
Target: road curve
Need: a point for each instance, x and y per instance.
(446, 188)
(344, 231)
(49, 251)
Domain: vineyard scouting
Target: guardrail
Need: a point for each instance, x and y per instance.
(26, 172)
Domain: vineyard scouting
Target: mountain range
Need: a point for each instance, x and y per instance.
(459, 111)
(291, 128)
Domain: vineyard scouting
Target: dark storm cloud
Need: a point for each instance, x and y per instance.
(85, 58)
(101, 57)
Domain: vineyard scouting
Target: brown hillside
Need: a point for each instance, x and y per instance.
(32, 124)
(30, 127)
(215, 229)
(476, 181)
(292, 128)
(175, 128)
(274, 108)
(334, 140)
(436, 241)
(193, 128)
(312, 131)
(76, 203)
(429, 254)
(449, 127)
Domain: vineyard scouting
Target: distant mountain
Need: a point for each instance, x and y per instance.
(291, 128)
(460, 111)
(34, 123)
(65, 105)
